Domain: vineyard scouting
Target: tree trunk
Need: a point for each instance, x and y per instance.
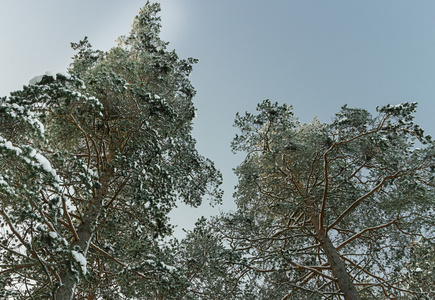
(85, 232)
(337, 266)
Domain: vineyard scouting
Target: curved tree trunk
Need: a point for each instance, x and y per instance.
(69, 280)
(85, 232)
(336, 263)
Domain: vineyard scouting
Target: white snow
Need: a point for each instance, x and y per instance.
(169, 268)
(9, 146)
(80, 259)
(32, 119)
(17, 107)
(37, 79)
(41, 161)
(150, 262)
(53, 234)
(344, 119)
(89, 171)
(66, 75)
(40, 125)
(27, 115)
(46, 165)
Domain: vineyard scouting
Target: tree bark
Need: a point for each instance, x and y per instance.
(85, 232)
(336, 263)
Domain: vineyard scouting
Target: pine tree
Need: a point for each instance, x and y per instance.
(92, 162)
(325, 210)
(418, 270)
(212, 269)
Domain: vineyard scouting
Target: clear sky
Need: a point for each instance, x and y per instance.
(314, 55)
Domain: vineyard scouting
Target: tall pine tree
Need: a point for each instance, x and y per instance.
(325, 211)
(92, 162)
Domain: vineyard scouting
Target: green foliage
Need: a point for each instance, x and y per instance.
(92, 162)
(359, 182)
(418, 271)
(211, 268)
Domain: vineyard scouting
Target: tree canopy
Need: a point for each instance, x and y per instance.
(326, 210)
(92, 162)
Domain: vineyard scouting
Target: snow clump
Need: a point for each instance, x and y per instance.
(80, 259)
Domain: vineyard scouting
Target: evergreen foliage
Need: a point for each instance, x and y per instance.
(212, 269)
(92, 162)
(325, 210)
(418, 273)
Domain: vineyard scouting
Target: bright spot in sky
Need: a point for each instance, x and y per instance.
(174, 19)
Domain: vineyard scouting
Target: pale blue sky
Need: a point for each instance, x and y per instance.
(315, 55)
